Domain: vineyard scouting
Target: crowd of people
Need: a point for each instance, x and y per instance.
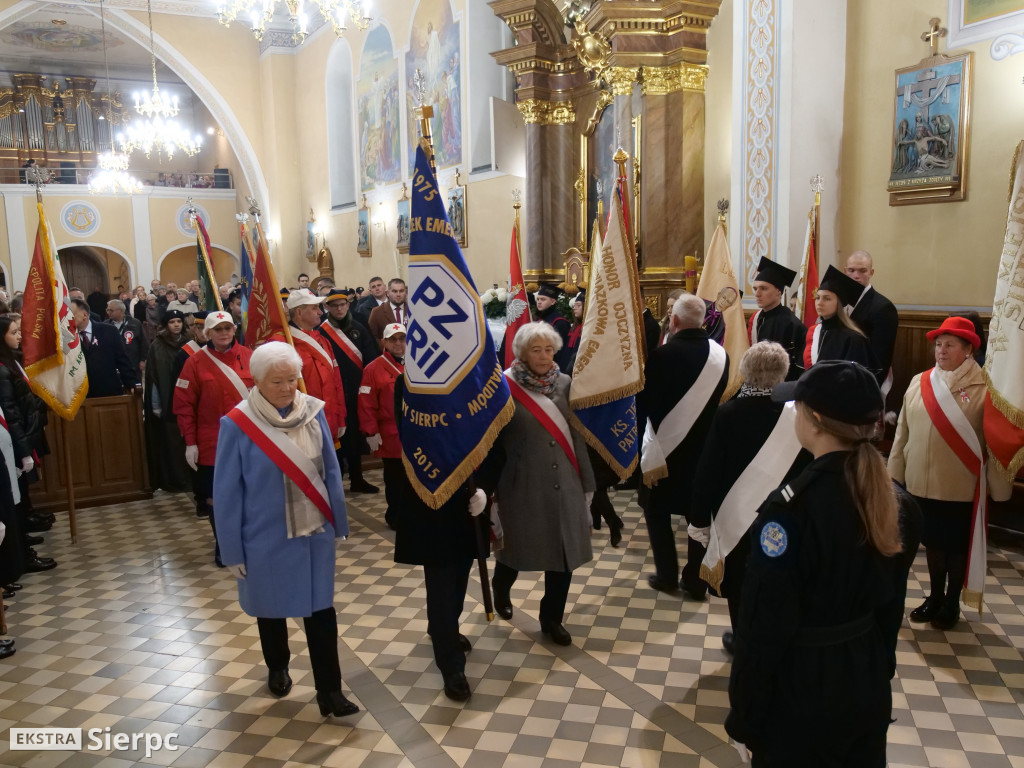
(814, 572)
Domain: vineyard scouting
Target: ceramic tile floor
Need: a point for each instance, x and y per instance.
(139, 632)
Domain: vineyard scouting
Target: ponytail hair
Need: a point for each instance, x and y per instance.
(869, 481)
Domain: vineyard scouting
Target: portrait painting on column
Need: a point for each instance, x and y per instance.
(380, 160)
(435, 49)
(600, 167)
(931, 131)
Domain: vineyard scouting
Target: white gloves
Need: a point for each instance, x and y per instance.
(588, 497)
(477, 502)
(158, 412)
(374, 442)
(27, 464)
(341, 432)
(238, 571)
(742, 749)
(701, 535)
(192, 456)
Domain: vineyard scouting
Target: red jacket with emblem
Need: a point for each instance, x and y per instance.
(202, 396)
(377, 404)
(321, 377)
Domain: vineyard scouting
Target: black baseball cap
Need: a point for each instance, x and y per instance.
(769, 271)
(840, 389)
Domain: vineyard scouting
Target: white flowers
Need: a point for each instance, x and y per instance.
(494, 294)
(501, 294)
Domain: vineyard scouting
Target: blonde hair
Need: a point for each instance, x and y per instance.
(868, 479)
(843, 316)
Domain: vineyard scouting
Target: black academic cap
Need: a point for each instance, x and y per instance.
(842, 285)
(551, 291)
(770, 272)
(581, 296)
(840, 389)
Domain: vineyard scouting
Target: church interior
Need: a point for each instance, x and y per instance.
(733, 112)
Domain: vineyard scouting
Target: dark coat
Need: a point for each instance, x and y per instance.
(352, 374)
(135, 344)
(878, 318)
(106, 363)
(12, 548)
(783, 327)
(165, 448)
(672, 369)
(810, 575)
(25, 414)
(554, 318)
(840, 343)
(652, 330)
(361, 309)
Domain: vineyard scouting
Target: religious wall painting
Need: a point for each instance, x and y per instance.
(378, 112)
(931, 127)
(363, 246)
(600, 173)
(435, 50)
(976, 21)
(404, 216)
(975, 11)
(456, 205)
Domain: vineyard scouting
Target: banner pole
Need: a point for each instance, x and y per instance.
(68, 480)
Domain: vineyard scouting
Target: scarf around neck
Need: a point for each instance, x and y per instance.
(527, 379)
(300, 425)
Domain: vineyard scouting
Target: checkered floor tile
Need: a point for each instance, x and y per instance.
(137, 631)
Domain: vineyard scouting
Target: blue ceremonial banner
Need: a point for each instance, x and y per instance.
(245, 284)
(456, 398)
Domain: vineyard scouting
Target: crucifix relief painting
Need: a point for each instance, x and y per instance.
(930, 128)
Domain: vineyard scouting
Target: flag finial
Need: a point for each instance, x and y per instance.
(516, 196)
(254, 207)
(817, 185)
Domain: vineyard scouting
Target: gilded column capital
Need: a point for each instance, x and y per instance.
(684, 76)
(621, 79)
(544, 112)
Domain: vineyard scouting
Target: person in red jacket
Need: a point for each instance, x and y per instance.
(212, 382)
(377, 412)
(320, 372)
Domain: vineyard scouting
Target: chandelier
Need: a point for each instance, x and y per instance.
(156, 130)
(261, 12)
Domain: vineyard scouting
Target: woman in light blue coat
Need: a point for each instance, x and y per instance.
(279, 486)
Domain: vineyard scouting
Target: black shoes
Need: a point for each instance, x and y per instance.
(334, 703)
(456, 687)
(33, 540)
(7, 651)
(698, 593)
(35, 523)
(279, 682)
(927, 610)
(662, 585)
(36, 564)
(361, 486)
(557, 633)
(7, 642)
(729, 643)
(948, 615)
(8, 593)
(502, 604)
(616, 533)
(464, 643)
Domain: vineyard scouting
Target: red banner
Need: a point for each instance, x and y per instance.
(517, 306)
(266, 312)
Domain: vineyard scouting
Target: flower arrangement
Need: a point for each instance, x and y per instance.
(494, 300)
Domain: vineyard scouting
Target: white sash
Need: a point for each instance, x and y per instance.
(300, 335)
(887, 385)
(738, 510)
(292, 455)
(230, 374)
(7, 449)
(342, 340)
(676, 425)
(550, 410)
(753, 327)
(191, 347)
(815, 343)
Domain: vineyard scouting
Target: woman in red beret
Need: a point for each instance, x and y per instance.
(939, 455)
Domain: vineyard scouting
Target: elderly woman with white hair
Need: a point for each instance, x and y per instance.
(280, 506)
(750, 450)
(543, 481)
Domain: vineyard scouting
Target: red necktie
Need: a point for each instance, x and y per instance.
(398, 315)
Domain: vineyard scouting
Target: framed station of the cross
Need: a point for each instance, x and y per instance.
(931, 131)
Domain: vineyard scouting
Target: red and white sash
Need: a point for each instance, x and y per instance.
(191, 347)
(752, 327)
(7, 449)
(812, 345)
(286, 456)
(547, 414)
(676, 425)
(344, 342)
(300, 335)
(228, 374)
(956, 430)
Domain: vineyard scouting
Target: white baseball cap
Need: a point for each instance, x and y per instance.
(392, 329)
(216, 318)
(300, 297)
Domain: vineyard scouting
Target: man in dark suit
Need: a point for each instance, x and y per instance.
(106, 362)
(130, 329)
(78, 293)
(97, 301)
(392, 311)
(673, 370)
(377, 295)
(873, 313)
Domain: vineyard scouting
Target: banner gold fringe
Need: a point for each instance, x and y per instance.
(1013, 415)
(713, 576)
(591, 440)
(1013, 172)
(609, 396)
(68, 414)
(653, 476)
(974, 599)
(466, 468)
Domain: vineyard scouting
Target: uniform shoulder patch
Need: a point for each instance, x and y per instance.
(774, 539)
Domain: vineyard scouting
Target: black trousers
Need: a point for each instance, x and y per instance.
(661, 531)
(732, 581)
(556, 590)
(322, 638)
(350, 459)
(393, 479)
(446, 597)
(204, 490)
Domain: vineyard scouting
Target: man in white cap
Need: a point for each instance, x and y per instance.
(377, 412)
(212, 382)
(319, 368)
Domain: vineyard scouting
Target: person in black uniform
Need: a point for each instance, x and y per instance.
(444, 542)
(810, 680)
(753, 415)
(361, 349)
(547, 310)
(835, 337)
(774, 321)
(872, 312)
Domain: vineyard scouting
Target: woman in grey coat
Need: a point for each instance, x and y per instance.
(542, 480)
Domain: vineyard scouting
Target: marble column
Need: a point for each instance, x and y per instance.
(549, 202)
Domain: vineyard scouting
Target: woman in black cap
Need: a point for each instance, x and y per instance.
(835, 337)
(810, 679)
